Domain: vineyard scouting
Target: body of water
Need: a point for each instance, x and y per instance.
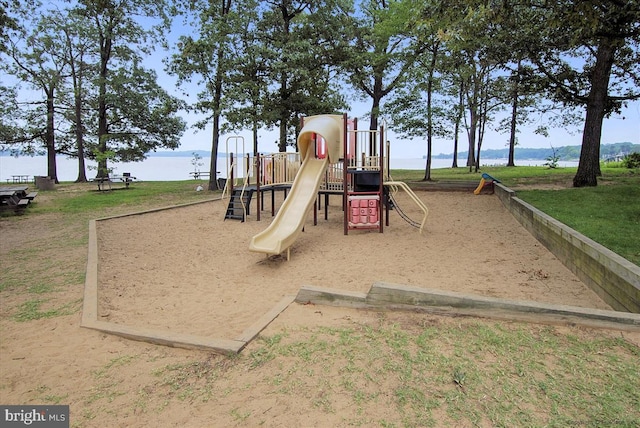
(178, 168)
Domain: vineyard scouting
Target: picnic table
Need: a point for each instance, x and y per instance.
(15, 198)
(20, 178)
(104, 182)
(197, 174)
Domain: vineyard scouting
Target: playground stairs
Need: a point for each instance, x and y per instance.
(239, 203)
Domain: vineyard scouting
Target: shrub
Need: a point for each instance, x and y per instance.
(552, 161)
(631, 160)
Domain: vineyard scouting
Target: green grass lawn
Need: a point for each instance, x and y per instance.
(610, 215)
(74, 198)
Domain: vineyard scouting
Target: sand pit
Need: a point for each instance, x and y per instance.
(185, 270)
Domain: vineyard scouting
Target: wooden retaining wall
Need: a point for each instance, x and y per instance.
(615, 279)
(417, 299)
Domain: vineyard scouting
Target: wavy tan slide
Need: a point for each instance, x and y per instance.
(289, 221)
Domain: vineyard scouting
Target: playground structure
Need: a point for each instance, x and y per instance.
(486, 181)
(334, 158)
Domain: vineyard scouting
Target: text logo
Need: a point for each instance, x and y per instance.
(34, 416)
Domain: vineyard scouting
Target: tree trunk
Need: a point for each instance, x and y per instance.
(427, 168)
(50, 136)
(103, 131)
(432, 67)
(215, 138)
(473, 106)
(377, 95)
(213, 165)
(255, 137)
(282, 142)
(482, 122)
(589, 165)
(82, 171)
(284, 112)
(454, 163)
(217, 103)
(284, 87)
(457, 125)
(471, 158)
(514, 117)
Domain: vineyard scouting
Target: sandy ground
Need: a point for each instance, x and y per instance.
(186, 270)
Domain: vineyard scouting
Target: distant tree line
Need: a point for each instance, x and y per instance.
(565, 153)
(445, 68)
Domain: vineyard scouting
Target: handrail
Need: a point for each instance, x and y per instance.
(393, 185)
(231, 166)
(244, 186)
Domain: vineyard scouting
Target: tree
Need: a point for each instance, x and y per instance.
(458, 113)
(39, 60)
(413, 108)
(459, 32)
(588, 53)
(381, 54)
(10, 129)
(248, 79)
(476, 74)
(515, 81)
(270, 63)
(471, 51)
(506, 49)
(207, 57)
(134, 114)
(78, 45)
(413, 111)
(301, 41)
(121, 110)
(8, 23)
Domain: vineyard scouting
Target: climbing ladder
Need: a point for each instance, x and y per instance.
(239, 203)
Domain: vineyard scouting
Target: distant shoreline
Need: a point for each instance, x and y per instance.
(565, 153)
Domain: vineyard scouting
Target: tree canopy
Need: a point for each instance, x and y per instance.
(98, 100)
(431, 68)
